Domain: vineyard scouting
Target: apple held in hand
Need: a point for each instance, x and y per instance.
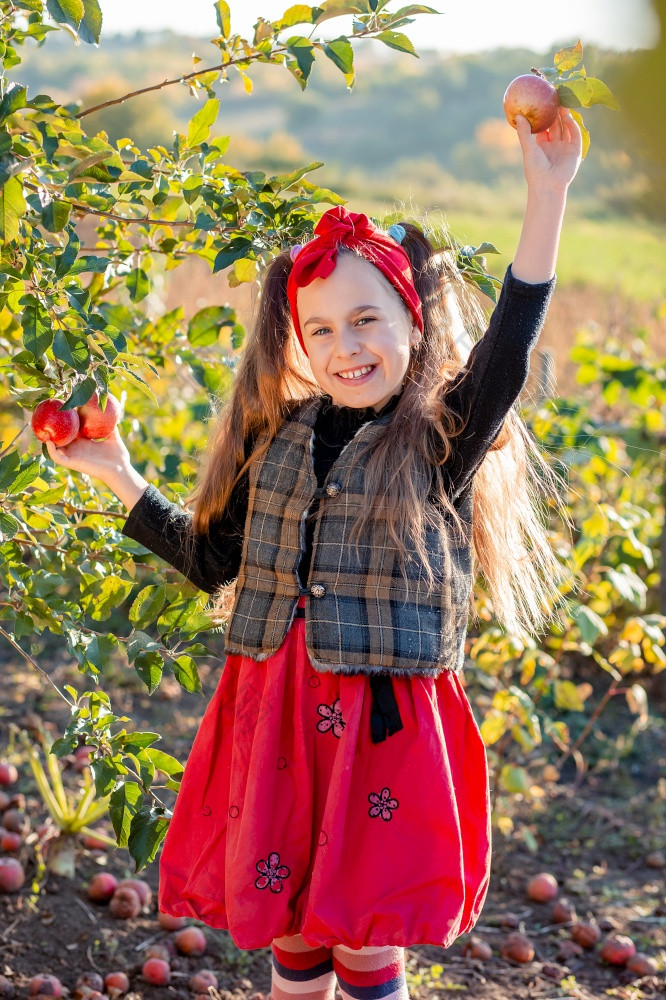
(96, 423)
(533, 97)
(51, 423)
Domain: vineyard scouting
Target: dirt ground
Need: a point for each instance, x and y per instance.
(595, 839)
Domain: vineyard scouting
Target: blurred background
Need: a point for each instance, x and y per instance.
(426, 135)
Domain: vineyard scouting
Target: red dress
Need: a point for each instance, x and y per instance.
(290, 820)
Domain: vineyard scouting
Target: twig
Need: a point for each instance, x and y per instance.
(10, 639)
(87, 910)
(92, 960)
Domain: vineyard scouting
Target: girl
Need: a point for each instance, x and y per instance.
(335, 801)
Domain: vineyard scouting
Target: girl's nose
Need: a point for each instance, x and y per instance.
(348, 342)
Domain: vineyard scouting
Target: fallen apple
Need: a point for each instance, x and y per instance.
(96, 423)
(12, 875)
(617, 950)
(542, 887)
(532, 96)
(51, 423)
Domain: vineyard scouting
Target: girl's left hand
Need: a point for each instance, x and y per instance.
(551, 158)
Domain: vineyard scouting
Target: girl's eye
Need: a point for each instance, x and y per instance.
(325, 329)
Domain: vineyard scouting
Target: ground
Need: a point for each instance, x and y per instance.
(594, 836)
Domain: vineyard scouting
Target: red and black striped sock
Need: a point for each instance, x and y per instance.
(370, 973)
(300, 971)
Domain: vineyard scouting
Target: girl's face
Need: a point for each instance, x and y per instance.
(357, 333)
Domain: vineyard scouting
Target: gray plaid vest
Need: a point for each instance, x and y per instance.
(360, 618)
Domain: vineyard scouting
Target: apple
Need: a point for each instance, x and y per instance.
(542, 887)
(96, 423)
(532, 96)
(51, 423)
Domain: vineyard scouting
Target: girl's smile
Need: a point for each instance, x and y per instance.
(358, 333)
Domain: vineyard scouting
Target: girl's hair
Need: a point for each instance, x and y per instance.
(510, 540)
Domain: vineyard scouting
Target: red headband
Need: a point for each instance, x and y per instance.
(317, 259)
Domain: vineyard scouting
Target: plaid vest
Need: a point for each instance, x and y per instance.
(360, 618)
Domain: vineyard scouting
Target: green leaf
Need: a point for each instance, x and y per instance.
(8, 526)
(246, 270)
(585, 92)
(147, 605)
(80, 394)
(514, 779)
(9, 466)
(66, 11)
(340, 52)
(149, 667)
(89, 263)
(146, 834)
(204, 327)
(628, 584)
(42, 497)
(124, 804)
(99, 650)
(108, 597)
(27, 475)
(12, 208)
(590, 624)
(72, 348)
(396, 40)
(302, 50)
(567, 59)
(165, 762)
(337, 8)
(300, 13)
(91, 24)
(567, 696)
(37, 330)
(236, 248)
(199, 127)
(138, 284)
(223, 15)
(185, 672)
(55, 216)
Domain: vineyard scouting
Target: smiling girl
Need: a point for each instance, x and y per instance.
(335, 801)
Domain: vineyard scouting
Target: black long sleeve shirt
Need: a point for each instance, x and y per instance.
(494, 375)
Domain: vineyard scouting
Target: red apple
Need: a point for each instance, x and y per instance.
(8, 773)
(156, 971)
(51, 423)
(12, 875)
(517, 947)
(190, 941)
(45, 985)
(95, 422)
(170, 923)
(102, 887)
(542, 887)
(533, 97)
(617, 950)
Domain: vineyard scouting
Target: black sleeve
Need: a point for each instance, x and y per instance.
(165, 529)
(495, 374)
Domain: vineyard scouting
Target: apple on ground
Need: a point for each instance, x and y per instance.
(532, 96)
(51, 423)
(95, 423)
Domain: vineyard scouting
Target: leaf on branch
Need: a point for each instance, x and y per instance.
(81, 393)
(91, 23)
(300, 13)
(12, 209)
(138, 284)
(567, 59)
(146, 834)
(124, 804)
(37, 330)
(302, 50)
(223, 15)
(199, 127)
(396, 40)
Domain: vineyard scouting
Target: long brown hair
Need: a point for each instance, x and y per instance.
(510, 539)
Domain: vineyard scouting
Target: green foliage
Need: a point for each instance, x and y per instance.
(609, 447)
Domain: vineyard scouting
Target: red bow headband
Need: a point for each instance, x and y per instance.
(317, 259)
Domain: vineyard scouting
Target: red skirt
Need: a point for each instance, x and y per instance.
(291, 820)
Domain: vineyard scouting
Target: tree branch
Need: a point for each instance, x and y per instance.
(10, 639)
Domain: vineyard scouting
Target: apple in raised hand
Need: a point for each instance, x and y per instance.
(96, 423)
(51, 423)
(533, 97)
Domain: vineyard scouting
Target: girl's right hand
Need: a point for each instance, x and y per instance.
(105, 460)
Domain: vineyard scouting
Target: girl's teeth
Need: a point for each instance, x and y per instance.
(357, 374)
